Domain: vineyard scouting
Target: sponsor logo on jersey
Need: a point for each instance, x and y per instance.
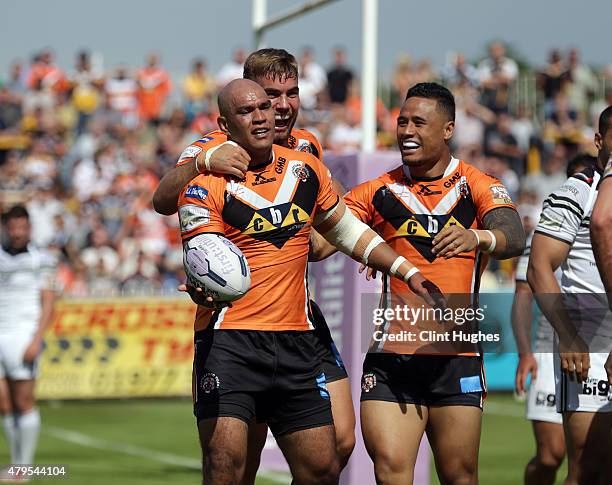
(424, 190)
(305, 146)
(196, 192)
(209, 382)
(500, 194)
(206, 139)
(450, 182)
(190, 152)
(368, 382)
(260, 179)
(192, 216)
(280, 165)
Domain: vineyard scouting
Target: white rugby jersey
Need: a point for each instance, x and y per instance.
(22, 277)
(566, 215)
(545, 332)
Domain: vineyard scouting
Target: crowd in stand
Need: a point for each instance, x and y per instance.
(84, 149)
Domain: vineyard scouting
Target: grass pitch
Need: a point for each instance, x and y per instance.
(151, 442)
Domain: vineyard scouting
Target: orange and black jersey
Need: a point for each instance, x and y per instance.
(299, 140)
(268, 216)
(409, 212)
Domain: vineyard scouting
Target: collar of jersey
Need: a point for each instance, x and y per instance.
(452, 165)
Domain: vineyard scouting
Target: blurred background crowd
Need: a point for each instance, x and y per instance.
(84, 148)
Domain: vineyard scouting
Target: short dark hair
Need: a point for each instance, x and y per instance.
(444, 98)
(15, 212)
(580, 159)
(272, 63)
(605, 120)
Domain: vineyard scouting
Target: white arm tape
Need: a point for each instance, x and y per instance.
(491, 247)
(397, 263)
(347, 231)
(213, 150)
(376, 240)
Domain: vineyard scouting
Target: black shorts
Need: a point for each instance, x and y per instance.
(429, 380)
(330, 359)
(271, 376)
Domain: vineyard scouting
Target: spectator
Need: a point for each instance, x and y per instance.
(458, 71)
(313, 79)
(583, 85)
(233, 69)
(501, 143)
(13, 184)
(346, 132)
(86, 84)
(403, 78)
(551, 177)
(45, 75)
(122, 96)
(153, 89)
(198, 89)
(339, 78)
(552, 80)
(496, 73)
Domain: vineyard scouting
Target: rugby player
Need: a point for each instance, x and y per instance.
(276, 71)
(547, 423)
(257, 358)
(447, 215)
(576, 309)
(601, 220)
(27, 295)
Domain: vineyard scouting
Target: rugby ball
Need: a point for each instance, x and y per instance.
(216, 265)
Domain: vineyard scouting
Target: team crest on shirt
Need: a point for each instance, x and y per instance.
(300, 172)
(368, 382)
(209, 382)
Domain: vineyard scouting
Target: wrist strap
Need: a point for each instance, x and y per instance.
(213, 150)
(491, 247)
(411, 272)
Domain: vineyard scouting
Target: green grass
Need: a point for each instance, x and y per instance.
(152, 442)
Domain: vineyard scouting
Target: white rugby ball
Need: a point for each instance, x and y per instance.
(216, 265)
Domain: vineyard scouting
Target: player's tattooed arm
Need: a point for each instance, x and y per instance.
(503, 236)
(506, 223)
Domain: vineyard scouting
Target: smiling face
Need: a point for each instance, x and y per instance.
(18, 232)
(247, 116)
(284, 94)
(423, 131)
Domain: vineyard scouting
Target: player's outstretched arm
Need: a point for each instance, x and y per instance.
(601, 234)
(503, 236)
(355, 239)
(547, 254)
(227, 158)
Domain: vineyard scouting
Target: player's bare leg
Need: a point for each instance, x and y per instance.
(392, 433)
(8, 419)
(588, 441)
(456, 459)
(550, 452)
(224, 443)
(256, 440)
(311, 454)
(27, 419)
(344, 418)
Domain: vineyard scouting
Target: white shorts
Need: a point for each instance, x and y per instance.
(592, 396)
(541, 401)
(12, 366)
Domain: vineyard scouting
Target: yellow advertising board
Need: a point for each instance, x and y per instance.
(123, 347)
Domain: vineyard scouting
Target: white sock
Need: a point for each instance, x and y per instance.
(27, 429)
(8, 422)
